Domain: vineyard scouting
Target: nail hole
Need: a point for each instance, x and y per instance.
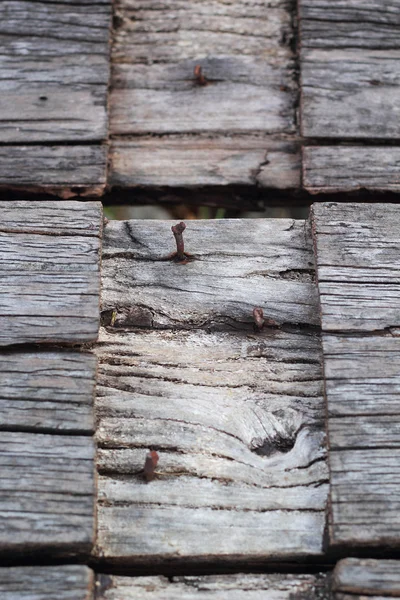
(43, 98)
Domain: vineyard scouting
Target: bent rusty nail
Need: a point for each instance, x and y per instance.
(259, 320)
(150, 465)
(198, 75)
(178, 230)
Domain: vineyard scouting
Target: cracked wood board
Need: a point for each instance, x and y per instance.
(65, 582)
(239, 128)
(355, 579)
(236, 418)
(215, 587)
(50, 281)
(358, 248)
(330, 169)
(47, 392)
(46, 495)
(350, 69)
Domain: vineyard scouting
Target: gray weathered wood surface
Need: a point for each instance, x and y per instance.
(49, 267)
(215, 587)
(350, 78)
(236, 418)
(46, 494)
(47, 391)
(63, 582)
(357, 256)
(59, 170)
(332, 169)
(373, 579)
(238, 128)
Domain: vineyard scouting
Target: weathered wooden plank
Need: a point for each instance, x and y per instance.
(236, 417)
(273, 258)
(49, 48)
(246, 59)
(47, 494)
(332, 169)
(49, 284)
(66, 582)
(221, 587)
(357, 256)
(47, 391)
(367, 577)
(64, 171)
(230, 160)
(349, 69)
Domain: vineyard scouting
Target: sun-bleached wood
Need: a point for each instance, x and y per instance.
(246, 57)
(330, 169)
(50, 281)
(65, 582)
(64, 171)
(215, 587)
(357, 257)
(47, 391)
(374, 579)
(237, 418)
(46, 494)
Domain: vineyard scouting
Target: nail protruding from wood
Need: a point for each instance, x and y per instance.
(198, 75)
(150, 465)
(178, 230)
(259, 321)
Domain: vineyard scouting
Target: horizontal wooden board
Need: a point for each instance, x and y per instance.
(65, 171)
(247, 61)
(49, 48)
(46, 494)
(47, 391)
(377, 578)
(266, 263)
(65, 582)
(221, 587)
(174, 161)
(49, 284)
(357, 256)
(330, 169)
(350, 23)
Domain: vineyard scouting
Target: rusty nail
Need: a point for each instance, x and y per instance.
(178, 230)
(198, 75)
(150, 465)
(259, 320)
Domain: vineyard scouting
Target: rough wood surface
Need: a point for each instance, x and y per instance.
(332, 169)
(357, 256)
(65, 582)
(350, 69)
(48, 49)
(46, 494)
(236, 418)
(47, 391)
(244, 51)
(371, 578)
(50, 283)
(60, 170)
(221, 587)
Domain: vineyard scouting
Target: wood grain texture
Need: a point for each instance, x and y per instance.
(47, 391)
(47, 494)
(377, 578)
(221, 587)
(236, 418)
(266, 263)
(349, 69)
(208, 139)
(64, 171)
(49, 48)
(65, 582)
(330, 169)
(230, 160)
(357, 256)
(50, 283)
